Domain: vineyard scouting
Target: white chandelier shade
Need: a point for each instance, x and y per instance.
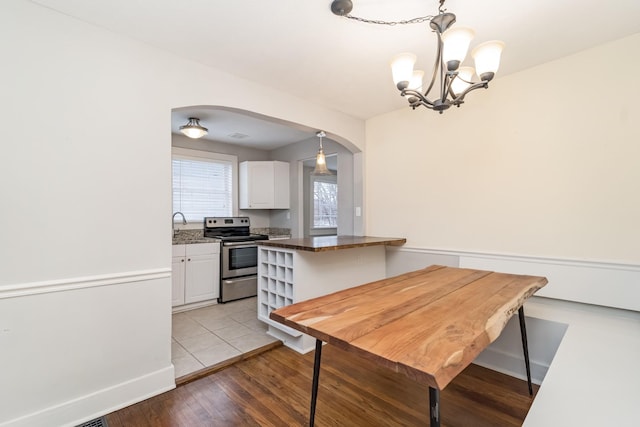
(465, 76)
(487, 57)
(402, 67)
(456, 44)
(415, 83)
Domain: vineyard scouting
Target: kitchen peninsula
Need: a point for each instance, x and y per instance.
(294, 270)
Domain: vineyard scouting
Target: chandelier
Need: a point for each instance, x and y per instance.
(449, 81)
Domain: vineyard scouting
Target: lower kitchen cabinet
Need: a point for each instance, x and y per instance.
(195, 273)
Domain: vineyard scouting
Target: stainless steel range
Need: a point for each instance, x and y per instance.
(238, 257)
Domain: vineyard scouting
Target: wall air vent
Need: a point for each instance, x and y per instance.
(98, 422)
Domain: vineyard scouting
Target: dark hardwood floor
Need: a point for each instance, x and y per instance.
(273, 389)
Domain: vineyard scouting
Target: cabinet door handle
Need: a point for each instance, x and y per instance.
(182, 260)
(189, 259)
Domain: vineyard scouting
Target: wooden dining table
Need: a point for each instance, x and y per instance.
(428, 324)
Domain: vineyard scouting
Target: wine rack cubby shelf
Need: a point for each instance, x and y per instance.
(275, 284)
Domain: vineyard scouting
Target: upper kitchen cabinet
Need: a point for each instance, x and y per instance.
(264, 185)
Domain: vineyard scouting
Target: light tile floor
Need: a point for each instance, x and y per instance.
(210, 335)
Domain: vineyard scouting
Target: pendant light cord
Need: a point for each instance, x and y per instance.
(417, 20)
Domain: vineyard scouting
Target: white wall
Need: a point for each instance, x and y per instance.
(544, 163)
(85, 278)
(536, 175)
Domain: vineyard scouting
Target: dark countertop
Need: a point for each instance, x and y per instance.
(332, 243)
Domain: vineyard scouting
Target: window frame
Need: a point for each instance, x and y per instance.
(313, 230)
(189, 154)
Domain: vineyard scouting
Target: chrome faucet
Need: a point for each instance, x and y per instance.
(173, 222)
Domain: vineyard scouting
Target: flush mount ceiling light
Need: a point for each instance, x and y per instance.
(453, 81)
(321, 161)
(193, 128)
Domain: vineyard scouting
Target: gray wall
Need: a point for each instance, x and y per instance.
(242, 153)
(298, 152)
(258, 217)
(292, 153)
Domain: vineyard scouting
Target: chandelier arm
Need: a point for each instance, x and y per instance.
(453, 95)
(422, 98)
(430, 107)
(447, 87)
(451, 77)
(443, 75)
(435, 70)
(474, 86)
(422, 101)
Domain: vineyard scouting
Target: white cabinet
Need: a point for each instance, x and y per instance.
(177, 277)
(264, 185)
(195, 273)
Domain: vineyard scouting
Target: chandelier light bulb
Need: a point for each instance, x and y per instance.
(459, 85)
(320, 158)
(456, 44)
(487, 58)
(402, 67)
(415, 83)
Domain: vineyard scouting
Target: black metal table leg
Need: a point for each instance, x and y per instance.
(314, 386)
(434, 407)
(525, 347)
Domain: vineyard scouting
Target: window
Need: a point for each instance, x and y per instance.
(202, 184)
(325, 202)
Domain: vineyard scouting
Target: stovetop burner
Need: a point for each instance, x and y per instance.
(231, 229)
(243, 238)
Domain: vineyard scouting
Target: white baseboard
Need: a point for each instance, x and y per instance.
(511, 364)
(82, 347)
(188, 307)
(100, 402)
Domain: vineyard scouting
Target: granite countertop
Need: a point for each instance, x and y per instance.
(190, 236)
(188, 241)
(332, 243)
(187, 237)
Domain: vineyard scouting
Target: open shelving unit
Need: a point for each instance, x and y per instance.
(275, 284)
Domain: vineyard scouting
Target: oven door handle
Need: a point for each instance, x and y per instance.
(236, 244)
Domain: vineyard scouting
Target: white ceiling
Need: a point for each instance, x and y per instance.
(241, 128)
(300, 47)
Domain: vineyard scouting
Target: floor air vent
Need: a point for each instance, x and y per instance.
(98, 422)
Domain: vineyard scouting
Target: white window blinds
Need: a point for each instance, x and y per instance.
(202, 188)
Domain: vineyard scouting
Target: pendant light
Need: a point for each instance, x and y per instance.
(321, 161)
(193, 129)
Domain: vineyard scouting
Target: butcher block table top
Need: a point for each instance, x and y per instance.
(428, 324)
(332, 243)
